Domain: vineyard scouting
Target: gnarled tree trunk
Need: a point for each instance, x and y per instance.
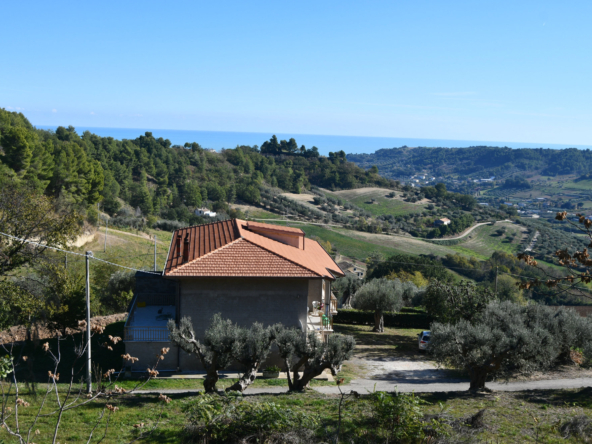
(211, 380)
(309, 373)
(246, 380)
(378, 322)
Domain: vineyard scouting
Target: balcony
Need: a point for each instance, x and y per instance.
(320, 324)
(148, 318)
(333, 306)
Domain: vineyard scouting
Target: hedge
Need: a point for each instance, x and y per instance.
(410, 319)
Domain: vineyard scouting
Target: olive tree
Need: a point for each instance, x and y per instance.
(380, 295)
(252, 348)
(309, 353)
(216, 350)
(346, 287)
(508, 337)
(451, 303)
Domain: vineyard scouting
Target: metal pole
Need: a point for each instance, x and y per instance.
(155, 252)
(66, 262)
(106, 226)
(88, 353)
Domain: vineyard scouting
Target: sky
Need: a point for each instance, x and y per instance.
(431, 69)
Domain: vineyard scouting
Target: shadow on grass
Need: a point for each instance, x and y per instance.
(569, 398)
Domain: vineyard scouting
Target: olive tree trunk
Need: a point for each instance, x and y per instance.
(298, 382)
(378, 322)
(478, 378)
(246, 379)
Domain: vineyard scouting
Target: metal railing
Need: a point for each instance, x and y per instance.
(146, 334)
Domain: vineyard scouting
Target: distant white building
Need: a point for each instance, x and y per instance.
(204, 212)
(443, 221)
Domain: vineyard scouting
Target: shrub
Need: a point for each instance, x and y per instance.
(118, 293)
(169, 225)
(398, 417)
(137, 223)
(451, 303)
(222, 419)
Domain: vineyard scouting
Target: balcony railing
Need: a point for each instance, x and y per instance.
(146, 334)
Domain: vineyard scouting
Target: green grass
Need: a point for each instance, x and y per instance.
(483, 241)
(581, 185)
(402, 244)
(510, 417)
(125, 247)
(383, 205)
(344, 244)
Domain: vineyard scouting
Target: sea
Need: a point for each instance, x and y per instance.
(218, 140)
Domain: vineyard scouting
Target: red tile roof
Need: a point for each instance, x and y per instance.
(229, 248)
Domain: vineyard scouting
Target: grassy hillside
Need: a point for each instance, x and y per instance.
(130, 248)
(485, 240)
(362, 197)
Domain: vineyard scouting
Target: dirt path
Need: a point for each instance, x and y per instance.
(533, 241)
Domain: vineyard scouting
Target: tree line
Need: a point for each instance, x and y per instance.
(161, 179)
(482, 161)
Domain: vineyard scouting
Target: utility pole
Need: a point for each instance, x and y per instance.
(66, 261)
(155, 252)
(88, 354)
(106, 226)
(496, 269)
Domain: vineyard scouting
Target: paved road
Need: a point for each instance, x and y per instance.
(367, 385)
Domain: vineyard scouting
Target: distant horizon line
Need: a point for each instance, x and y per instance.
(449, 142)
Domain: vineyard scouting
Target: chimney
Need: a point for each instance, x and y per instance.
(286, 235)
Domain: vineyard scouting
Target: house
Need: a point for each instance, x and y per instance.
(356, 271)
(204, 212)
(247, 271)
(443, 221)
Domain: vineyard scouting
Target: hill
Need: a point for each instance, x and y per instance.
(476, 161)
(154, 179)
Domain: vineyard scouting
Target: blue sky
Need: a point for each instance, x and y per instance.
(479, 70)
